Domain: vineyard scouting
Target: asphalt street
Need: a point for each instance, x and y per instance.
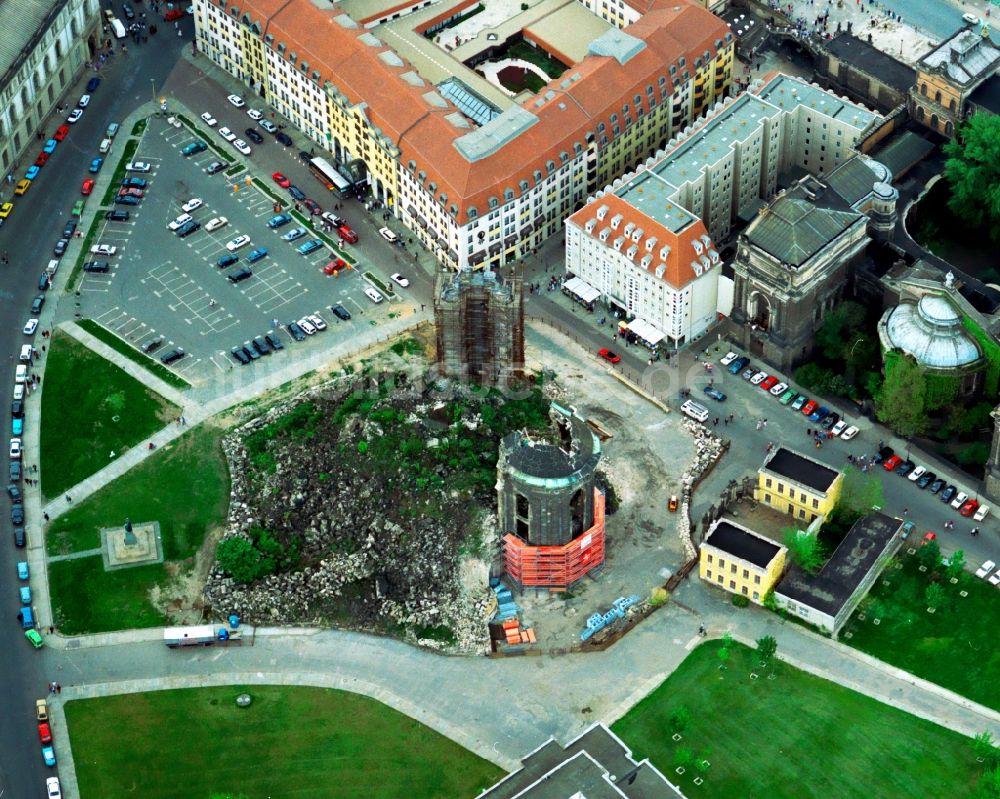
(27, 238)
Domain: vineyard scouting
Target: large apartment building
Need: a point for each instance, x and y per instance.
(646, 243)
(43, 49)
(480, 172)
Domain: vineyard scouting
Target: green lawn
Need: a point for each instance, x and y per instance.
(291, 742)
(955, 646)
(185, 487)
(91, 408)
(122, 347)
(795, 736)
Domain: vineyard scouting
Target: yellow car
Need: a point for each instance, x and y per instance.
(5, 210)
(22, 187)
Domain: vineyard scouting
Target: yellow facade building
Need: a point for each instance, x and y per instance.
(798, 485)
(740, 561)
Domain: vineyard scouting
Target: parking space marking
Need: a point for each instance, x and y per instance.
(186, 296)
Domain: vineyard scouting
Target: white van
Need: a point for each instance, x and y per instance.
(105, 146)
(112, 130)
(25, 353)
(20, 374)
(375, 297)
(697, 412)
(53, 267)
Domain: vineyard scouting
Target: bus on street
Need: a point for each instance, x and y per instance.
(327, 174)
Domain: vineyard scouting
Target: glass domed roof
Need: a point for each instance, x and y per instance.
(931, 331)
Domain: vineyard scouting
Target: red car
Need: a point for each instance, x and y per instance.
(45, 733)
(87, 187)
(809, 407)
(172, 14)
(891, 463)
(609, 356)
(768, 383)
(334, 267)
(131, 193)
(42, 158)
(928, 537)
(969, 507)
(61, 133)
(281, 180)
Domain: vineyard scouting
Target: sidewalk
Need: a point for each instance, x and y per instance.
(195, 407)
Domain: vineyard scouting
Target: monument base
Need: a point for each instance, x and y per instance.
(147, 547)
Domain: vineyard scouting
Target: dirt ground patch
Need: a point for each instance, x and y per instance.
(645, 457)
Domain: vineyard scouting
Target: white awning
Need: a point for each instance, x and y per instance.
(582, 289)
(645, 331)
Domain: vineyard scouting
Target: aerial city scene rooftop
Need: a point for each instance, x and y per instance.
(501, 399)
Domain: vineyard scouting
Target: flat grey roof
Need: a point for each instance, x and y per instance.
(569, 29)
(650, 194)
(788, 92)
(881, 66)
(850, 562)
(786, 463)
(742, 543)
(712, 143)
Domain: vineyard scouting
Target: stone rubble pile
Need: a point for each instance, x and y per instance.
(362, 545)
(708, 450)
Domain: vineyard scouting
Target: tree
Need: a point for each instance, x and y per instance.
(701, 763)
(956, 564)
(679, 719)
(929, 555)
(683, 757)
(766, 647)
(805, 550)
(814, 377)
(935, 595)
(988, 786)
(238, 558)
(901, 402)
(985, 749)
(840, 329)
(974, 455)
(973, 172)
(723, 656)
(861, 491)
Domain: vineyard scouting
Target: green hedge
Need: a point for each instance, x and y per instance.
(992, 353)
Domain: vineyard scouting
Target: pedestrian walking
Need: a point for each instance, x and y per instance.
(701, 630)
(906, 511)
(69, 498)
(45, 516)
(58, 688)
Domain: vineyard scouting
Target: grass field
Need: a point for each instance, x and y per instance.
(185, 487)
(122, 347)
(291, 742)
(793, 737)
(955, 647)
(90, 408)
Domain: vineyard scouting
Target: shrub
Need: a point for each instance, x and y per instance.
(238, 558)
(740, 601)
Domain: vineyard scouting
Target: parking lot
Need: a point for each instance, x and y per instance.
(162, 285)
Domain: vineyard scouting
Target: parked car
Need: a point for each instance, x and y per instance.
(749, 372)
(987, 567)
(240, 354)
(800, 402)
(947, 494)
(767, 383)
(117, 215)
(216, 223)
(340, 312)
(714, 393)
(829, 421)
(138, 166)
(925, 480)
(981, 513)
(95, 166)
(296, 332)
(312, 206)
(209, 119)
(917, 473)
(194, 147)
(905, 468)
(399, 280)
(242, 146)
(310, 246)
(778, 389)
(227, 134)
(236, 100)
(256, 255)
(268, 125)
(274, 341)
(260, 345)
(188, 228)
(819, 414)
(239, 241)
(728, 358)
(241, 274)
(294, 233)
(179, 222)
(968, 507)
(317, 321)
(134, 183)
(279, 220)
(104, 249)
(193, 204)
(936, 485)
(254, 136)
(307, 326)
(281, 180)
(809, 408)
(173, 355)
(891, 463)
(227, 260)
(215, 166)
(127, 199)
(738, 365)
(959, 499)
(283, 139)
(296, 192)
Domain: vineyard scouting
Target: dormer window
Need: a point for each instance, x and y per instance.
(646, 261)
(664, 252)
(508, 195)
(661, 269)
(432, 187)
(493, 202)
(698, 248)
(604, 234)
(523, 185)
(618, 243)
(591, 224)
(632, 251)
(602, 212)
(616, 220)
(650, 243)
(629, 228)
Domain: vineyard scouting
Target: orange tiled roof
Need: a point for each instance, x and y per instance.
(424, 134)
(679, 271)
